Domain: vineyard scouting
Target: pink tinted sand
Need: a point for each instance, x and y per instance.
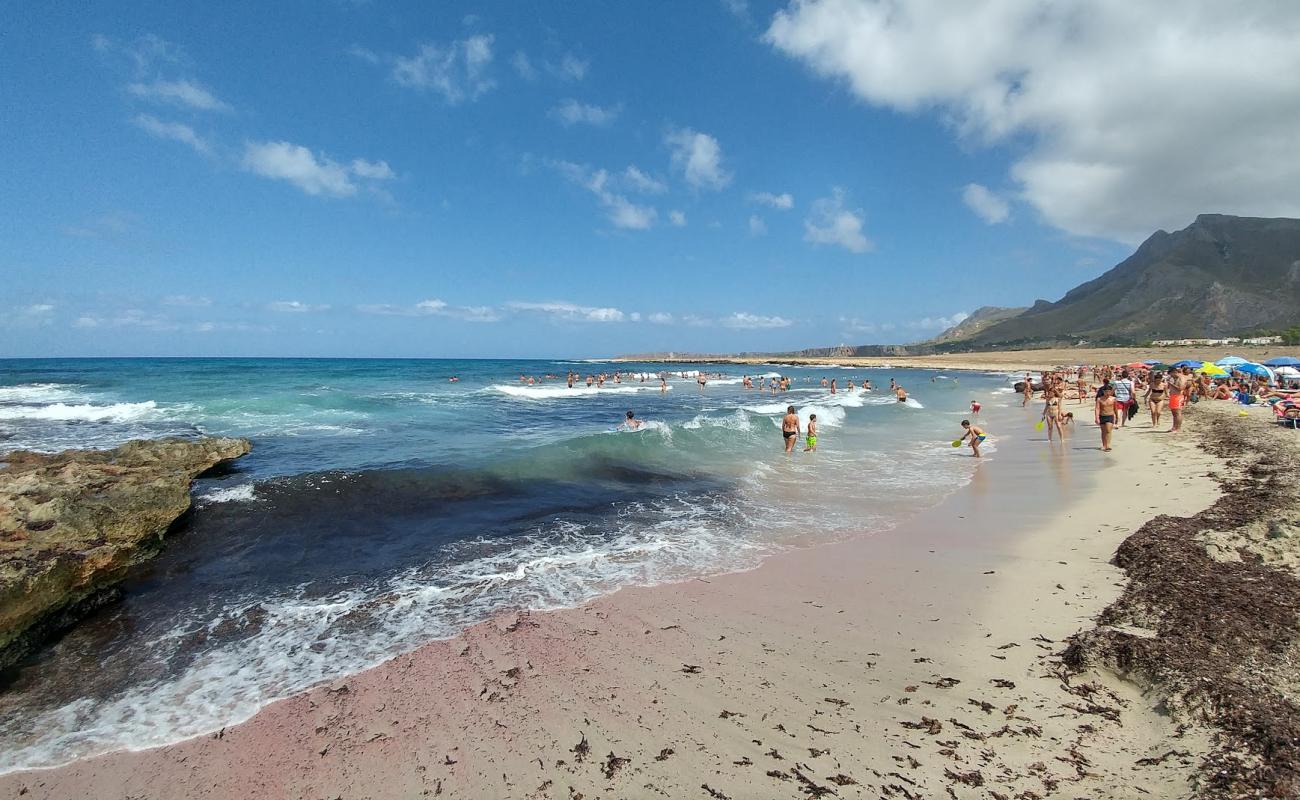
(902, 664)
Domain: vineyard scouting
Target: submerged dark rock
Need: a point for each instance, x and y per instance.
(73, 523)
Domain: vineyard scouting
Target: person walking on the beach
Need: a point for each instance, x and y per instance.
(1156, 398)
(976, 435)
(812, 433)
(1124, 397)
(1028, 390)
(1104, 414)
(1052, 413)
(1180, 388)
(790, 428)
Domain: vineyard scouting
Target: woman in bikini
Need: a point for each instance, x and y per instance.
(1104, 414)
(1156, 398)
(1052, 413)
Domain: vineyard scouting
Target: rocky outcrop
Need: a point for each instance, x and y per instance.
(73, 523)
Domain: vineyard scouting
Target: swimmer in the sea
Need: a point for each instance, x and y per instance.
(900, 393)
(790, 428)
(812, 433)
(632, 423)
(976, 435)
(975, 407)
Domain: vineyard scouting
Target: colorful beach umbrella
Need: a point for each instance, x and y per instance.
(1283, 361)
(1151, 363)
(1187, 363)
(1254, 369)
(1213, 370)
(1136, 365)
(1228, 361)
(1287, 372)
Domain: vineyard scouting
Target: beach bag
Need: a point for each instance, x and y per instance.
(1132, 408)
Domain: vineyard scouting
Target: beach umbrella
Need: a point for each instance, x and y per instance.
(1151, 363)
(1283, 361)
(1287, 372)
(1211, 370)
(1228, 361)
(1254, 369)
(1187, 363)
(1136, 365)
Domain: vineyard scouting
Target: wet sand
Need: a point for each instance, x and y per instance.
(918, 662)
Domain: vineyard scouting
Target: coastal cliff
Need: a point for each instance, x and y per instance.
(73, 523)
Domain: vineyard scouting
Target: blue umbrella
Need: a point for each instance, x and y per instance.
(1187, 363)
(1283, 361)
(1151, 363)
(1254, 369)
(1228, 361)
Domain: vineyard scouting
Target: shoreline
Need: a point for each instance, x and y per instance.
(721, 663)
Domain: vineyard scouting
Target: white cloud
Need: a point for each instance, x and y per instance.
(698, 156)
(677, 218)
(938, 323)
(637, 180)
(743, 321)
(783, 201)
(620, 211)
(831, 223)
(738, 8)
(570, 112)
(855, 325)
(986, 205)
(315, 175)
(364, 53)
(435, 307)
(295, 307)
(188, 93)
(85, 322)
(458, 71)
(523, 66)
(174, 131)
(570, 311)
(568, 68)
(375, 170)
(37, 309)
(661, 318)
(186, 300)
(757, 227)
(1133, 117)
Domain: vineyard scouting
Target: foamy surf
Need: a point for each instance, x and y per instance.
(564, 392)
(117, 412)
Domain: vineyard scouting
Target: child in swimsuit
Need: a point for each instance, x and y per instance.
(974, 407)
(976, 435)
(812, 433)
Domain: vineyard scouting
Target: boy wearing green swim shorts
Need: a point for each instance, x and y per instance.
(812, 433)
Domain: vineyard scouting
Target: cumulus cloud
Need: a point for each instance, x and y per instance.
(187, 93)
(375, 170)
(186, 300)
(568, 68)
(524, 66)
(608, 189)
(698, 157)
(37, 309)
(661, 318)
(312, 173)
(173, 131)
(677, 218)
(757, 227)
(570, 312)
(986, 205)
(783, 201)
(638, 181)
(459, 71)
(741, 320)
(1134, 117)
(570, 112)
(831, 223)
(295, 307)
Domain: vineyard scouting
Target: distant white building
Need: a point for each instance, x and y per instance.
(1208, 342)
(1263, 340)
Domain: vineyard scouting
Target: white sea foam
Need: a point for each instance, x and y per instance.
(738, 420)
(561, 392)
(117, 412)
(233, 494)
(39, 393)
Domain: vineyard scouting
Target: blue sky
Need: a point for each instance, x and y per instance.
(577, 179)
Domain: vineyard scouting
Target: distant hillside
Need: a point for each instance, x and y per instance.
(1219, 276)
(980, 319)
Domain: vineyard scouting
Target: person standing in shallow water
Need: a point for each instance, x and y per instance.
(790, 428)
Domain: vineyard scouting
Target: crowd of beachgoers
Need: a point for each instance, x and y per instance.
(1120, 393)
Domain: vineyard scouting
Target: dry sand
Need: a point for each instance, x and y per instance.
(917, 662)
(1017, 360)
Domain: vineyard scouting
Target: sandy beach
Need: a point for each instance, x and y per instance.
(921, 661)
(1018, 360)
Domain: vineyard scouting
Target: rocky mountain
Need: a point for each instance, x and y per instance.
(1219, 276)
(980, 319)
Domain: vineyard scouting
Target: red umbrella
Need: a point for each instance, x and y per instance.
(1137, 365)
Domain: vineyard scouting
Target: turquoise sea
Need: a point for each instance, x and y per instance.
(385, 506)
